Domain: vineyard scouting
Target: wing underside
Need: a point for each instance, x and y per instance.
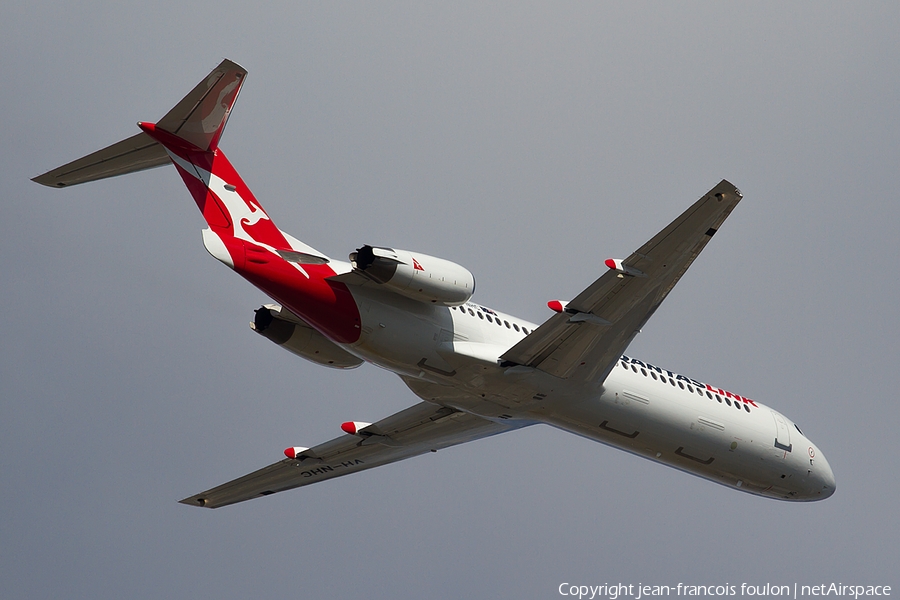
(585, 340)
(424, 427)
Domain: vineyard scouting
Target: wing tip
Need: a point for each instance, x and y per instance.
(47, 180)
(197, 500)
(730, 187)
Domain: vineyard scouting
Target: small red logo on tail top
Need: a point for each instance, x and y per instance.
(417, 266)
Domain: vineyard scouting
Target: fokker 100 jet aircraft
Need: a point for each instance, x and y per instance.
(477, 371)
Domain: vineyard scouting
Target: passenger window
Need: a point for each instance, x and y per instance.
(525, 330)
(747, 408)
(490, 320)
(481, 316)
(727, 401)
(471, 312)
(506, 323)
(634, 368)
(653, 375)
(708, 395)
(672, 381)
(681, 385)
(644, 372)
(662, 378)
(515, 326)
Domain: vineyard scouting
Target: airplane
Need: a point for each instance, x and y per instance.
(478, 372)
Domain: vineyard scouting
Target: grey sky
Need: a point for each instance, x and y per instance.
(528, 142)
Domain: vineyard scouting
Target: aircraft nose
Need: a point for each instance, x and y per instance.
(821, 476)
(828, 484)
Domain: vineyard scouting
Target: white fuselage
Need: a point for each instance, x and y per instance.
(450, 356)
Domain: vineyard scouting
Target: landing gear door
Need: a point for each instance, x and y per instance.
(782, 433)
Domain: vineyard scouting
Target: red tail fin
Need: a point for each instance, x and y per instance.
(240, 232)
(188, 135)
(228, 206)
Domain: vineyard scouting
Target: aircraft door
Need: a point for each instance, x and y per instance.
(782, 433)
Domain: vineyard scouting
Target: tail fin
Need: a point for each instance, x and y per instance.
(197, 122)
(188, 136)
(240, 233)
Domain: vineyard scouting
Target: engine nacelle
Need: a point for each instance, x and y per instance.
(420, 277)
(301, 339)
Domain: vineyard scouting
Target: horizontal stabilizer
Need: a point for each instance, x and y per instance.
(137, 153)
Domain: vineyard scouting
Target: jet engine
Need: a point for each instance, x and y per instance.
(417, 276)
(291, 333)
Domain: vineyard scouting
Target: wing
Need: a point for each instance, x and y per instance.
(419, 429)
(585, 340)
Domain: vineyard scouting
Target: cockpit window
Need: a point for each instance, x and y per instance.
(798, 429)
